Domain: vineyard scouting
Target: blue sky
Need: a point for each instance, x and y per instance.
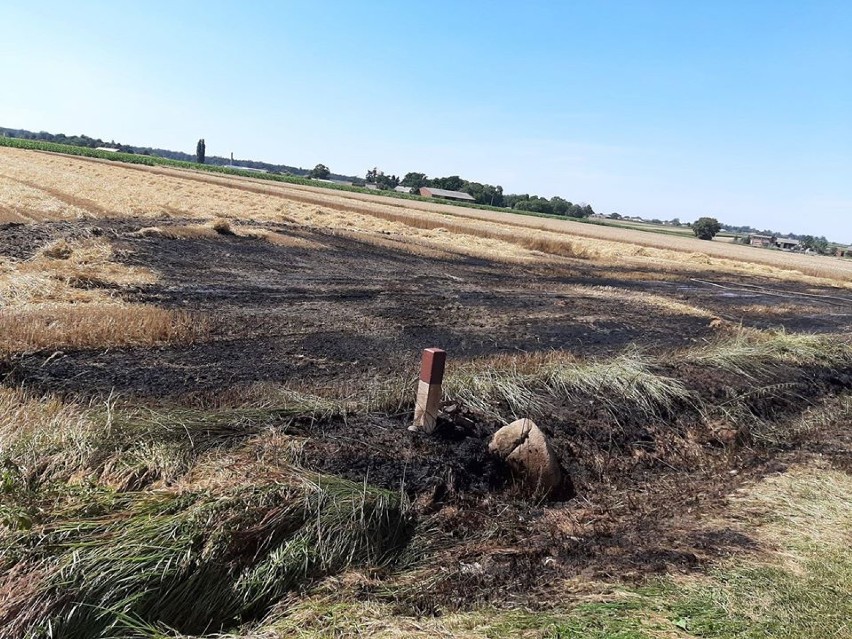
(738, 110)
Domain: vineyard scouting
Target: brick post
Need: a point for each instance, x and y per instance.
(429, 390)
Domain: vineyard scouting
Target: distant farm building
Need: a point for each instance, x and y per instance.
(402, 189)
(770, 241)
(106, 148)
(428, 191)
(760, 240)
(844, 252)
(244, 168)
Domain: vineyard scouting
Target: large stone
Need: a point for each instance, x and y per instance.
(528, 453)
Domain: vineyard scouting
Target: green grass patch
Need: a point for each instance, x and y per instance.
(802, 588)
(198, 561)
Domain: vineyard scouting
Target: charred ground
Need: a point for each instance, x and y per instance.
(350, 309)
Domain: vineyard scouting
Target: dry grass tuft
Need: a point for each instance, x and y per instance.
(752, 352)
(190, 232)
(279, 239)
(58, 250)
(219, 227)
(552, 245)
(530, 384)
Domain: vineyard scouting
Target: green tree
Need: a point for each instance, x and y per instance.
(535, 204)
(200, 148)
(705, 228)
(319, 172)
(381, 179)
(415, 180)
(560, 205)
(492, 195)
(451, 183)
(818, 244)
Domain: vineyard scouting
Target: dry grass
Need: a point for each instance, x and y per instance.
(68, 296)
(95, 326)
(805, 508)
(548, 243)
(607, 242)
(20, 202)
(650, 300)
(32, 427)
(800, 585)
(64, 272)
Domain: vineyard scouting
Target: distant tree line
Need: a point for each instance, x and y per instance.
(86, 141)
(487, 194)
(61, 138)
(384, 182)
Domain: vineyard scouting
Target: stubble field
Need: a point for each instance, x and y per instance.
(206, 384)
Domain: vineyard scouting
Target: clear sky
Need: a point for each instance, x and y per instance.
(741, 110)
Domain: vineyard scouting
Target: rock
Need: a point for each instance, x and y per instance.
(525, 448)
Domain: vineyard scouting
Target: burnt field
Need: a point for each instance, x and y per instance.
(205, 425)
(345, 308)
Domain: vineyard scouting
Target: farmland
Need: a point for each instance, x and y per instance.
(207, 382)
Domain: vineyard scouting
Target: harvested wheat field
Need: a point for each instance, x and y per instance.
(207, 384)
